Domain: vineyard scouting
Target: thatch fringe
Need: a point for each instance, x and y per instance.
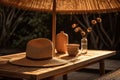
(67, 6)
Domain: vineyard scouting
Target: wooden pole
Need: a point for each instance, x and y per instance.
(54, 25)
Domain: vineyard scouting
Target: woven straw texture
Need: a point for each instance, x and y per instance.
(67, 6)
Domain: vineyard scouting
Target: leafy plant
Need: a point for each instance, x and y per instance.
(33, 26)
(9, 20)
(18, 26)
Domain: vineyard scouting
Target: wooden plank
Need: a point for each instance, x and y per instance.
(40, 73)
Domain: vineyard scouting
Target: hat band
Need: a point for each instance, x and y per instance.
(39, 59)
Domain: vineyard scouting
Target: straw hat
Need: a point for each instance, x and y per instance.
(38, 54)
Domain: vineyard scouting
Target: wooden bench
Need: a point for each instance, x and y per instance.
(114, 75)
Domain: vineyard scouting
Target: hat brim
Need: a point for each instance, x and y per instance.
(23, 61)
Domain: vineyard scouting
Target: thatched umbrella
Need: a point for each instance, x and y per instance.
(66, 6)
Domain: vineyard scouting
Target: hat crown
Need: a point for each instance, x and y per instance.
(40, 48)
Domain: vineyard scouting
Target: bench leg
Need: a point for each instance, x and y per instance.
(49, 78)
(65, 77)
(102, 67)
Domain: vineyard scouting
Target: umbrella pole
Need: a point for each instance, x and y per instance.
(54, 26)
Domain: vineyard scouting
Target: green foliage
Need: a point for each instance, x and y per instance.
(9, 20)
(33, 26)
(18, 26)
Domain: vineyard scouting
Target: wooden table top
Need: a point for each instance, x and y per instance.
(9, 70)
